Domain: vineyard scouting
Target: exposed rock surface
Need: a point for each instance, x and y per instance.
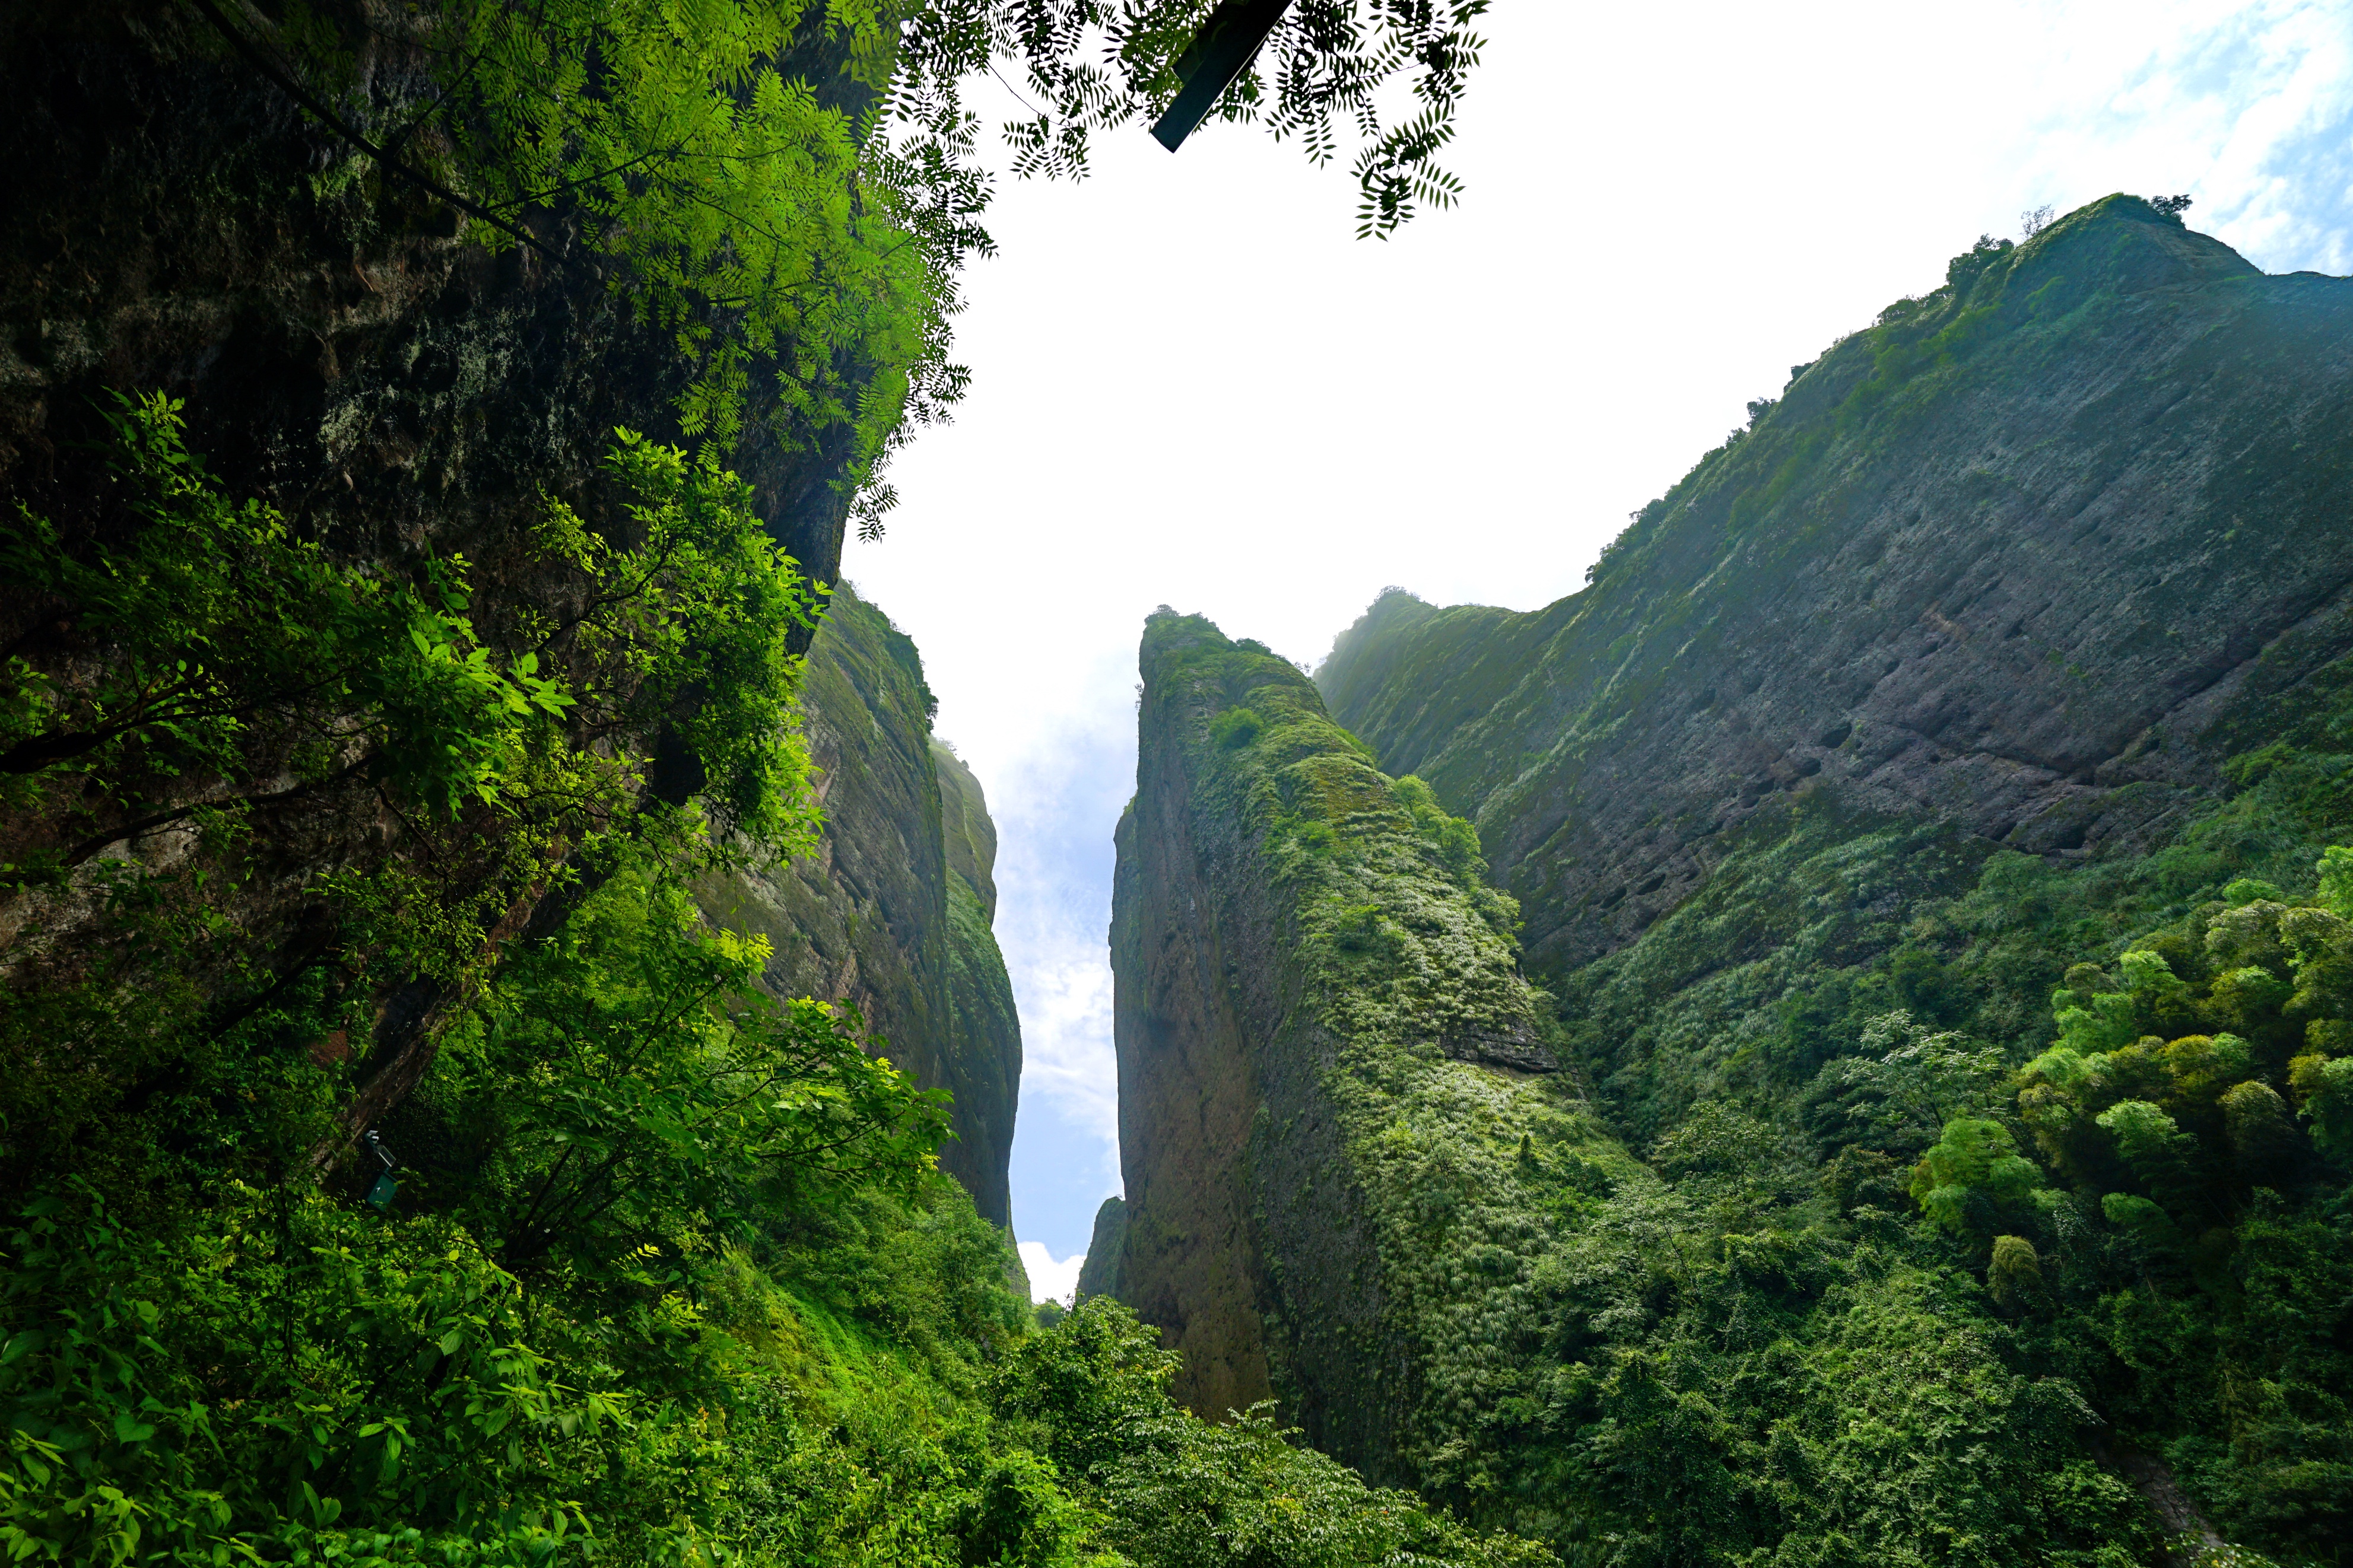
(980, 1061)
(892, 914)
(2013, 557)
(175, 224)
(965, 824)
(1099, 1274)
(1307, 969)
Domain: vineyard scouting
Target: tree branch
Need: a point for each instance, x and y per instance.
(349, 133)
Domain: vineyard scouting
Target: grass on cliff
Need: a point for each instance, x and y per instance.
(1825, 1274)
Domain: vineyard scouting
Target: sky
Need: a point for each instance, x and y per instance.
(1194, 386)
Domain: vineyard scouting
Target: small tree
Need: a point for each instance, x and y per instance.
(2015, 1275)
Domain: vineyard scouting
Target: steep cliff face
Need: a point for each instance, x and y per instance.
(1099, 1273)
(399, 394)
(982, 1063)
(1327, 1062)
(180, 225)
(965, 826)
(892, 914)
(2012, 558)
(1919, 825)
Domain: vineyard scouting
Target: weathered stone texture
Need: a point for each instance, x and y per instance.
(176, 224)
(2013, 558)
(873, 918)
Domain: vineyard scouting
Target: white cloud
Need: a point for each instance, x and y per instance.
(2245, 107)
(1050, 1280)
(1193, 386)
(1066, 1035)
(1057, 765)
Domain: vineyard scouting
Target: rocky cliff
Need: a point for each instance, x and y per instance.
(1925, 1119)
(399, 393)
(2016, 557)
(1994, 591)
(1328, 1064)
(182, 224)
(1099, 1272)
(892, 914)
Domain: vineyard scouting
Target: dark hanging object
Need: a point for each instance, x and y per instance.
(380, 1195)
(1219, 53)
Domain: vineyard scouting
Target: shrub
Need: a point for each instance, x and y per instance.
(1235, 728)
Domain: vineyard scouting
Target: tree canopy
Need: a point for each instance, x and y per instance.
(789, 187)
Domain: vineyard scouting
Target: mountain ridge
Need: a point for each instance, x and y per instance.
(1915, 858)
(1983, 483)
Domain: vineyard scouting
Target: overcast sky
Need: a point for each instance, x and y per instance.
(1194, 386)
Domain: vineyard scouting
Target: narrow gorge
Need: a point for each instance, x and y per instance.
(1831, 1045)
(504, 1054)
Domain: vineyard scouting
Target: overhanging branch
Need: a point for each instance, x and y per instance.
(335, 122)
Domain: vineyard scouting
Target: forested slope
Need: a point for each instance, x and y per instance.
(1923, 831)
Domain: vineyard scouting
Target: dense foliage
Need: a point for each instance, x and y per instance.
(2107, 1092)
(238, 682)
(787, 188)
(648, 1265)
(607, 1320)
(227, 631)
(1964, 1234)
(1319, 78)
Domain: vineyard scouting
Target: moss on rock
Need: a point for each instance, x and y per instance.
(892, 914)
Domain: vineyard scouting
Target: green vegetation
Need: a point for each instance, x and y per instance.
(659, 1268)
(1973, 1185)
(2147, 1181)
(243, 679)
(891, 916)
(229, 631)
(1090, 1398)
(1399, 928)
(211, 1356)
(2107, 1090)
(786, 188)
